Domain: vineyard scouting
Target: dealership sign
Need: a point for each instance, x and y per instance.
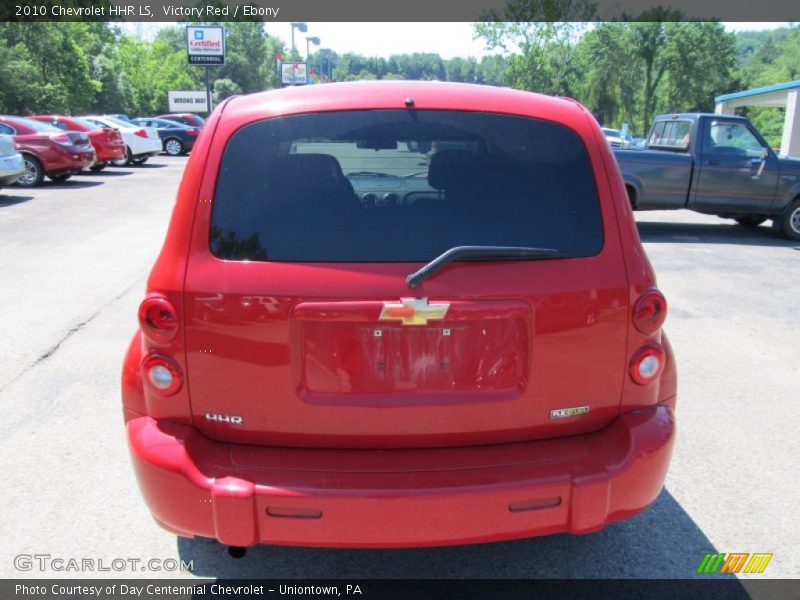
(205, 45)
(294, 73)
(187, 102)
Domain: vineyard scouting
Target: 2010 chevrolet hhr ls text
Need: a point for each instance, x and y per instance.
(399, 314)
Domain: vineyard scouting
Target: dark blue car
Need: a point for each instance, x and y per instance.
(176, 138)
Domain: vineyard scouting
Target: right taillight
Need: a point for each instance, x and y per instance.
(649, 312)
(647, 364)
(162, 374)
(158, 319)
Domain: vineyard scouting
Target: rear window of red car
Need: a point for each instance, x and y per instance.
(397, 186)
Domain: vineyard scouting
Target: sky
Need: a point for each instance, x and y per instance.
(384, 39)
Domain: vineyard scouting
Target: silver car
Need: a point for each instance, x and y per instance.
(11, 163)
(617, 138)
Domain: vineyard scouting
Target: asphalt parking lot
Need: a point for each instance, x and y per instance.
(75, 257)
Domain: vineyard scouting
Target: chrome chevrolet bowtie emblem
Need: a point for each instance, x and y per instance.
(414, 311)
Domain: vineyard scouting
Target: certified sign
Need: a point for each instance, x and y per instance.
(205, 45)
(294, 73)
(187, 102)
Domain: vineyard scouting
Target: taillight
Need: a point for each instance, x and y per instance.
(158, 319)
(647, 364)
(62, 138)
(141, 133)
(193, 132)
(110, 134)
(162, 374)
(649, 312)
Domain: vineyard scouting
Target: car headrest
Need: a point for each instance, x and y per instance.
(310, 165)
(450, 168)
(295, 178)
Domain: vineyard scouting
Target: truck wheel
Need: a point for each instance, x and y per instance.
(790, 221)
(97, 167)
(34, 173)
(631, 196)
(750, 220)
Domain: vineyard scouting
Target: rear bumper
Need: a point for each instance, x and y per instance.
(244, 495)
(69, 160)
(11, 167)
(108, 152)
(145, 146)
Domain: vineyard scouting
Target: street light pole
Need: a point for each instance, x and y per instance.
(310, 40)
(302, 28)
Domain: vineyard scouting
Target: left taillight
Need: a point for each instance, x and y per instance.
(158, 319)
(141, 133)
(649, 312)
(647, 363)
(62, 138)
(162, 374)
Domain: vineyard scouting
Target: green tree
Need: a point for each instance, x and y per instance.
(224, 88)
(539, 35)
(461, 69)
(767, 58)
(492, 70)
(633, 70)
(56, 67)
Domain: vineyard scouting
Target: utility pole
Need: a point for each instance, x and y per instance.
(302, 28)
(309, 41)
(208, 91)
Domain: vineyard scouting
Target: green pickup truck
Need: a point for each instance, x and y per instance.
(717, 165)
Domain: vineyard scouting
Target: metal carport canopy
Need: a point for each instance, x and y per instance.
(782, 95)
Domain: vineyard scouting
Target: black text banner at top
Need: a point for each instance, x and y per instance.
(395, 11)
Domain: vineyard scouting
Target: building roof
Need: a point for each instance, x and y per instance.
(779, 87)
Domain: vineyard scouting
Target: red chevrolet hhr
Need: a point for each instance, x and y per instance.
(399, 314)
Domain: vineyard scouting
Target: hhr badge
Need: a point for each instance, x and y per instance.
(565, 413)
(231, 419)
(414, 311)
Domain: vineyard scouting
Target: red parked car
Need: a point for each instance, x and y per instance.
(107, 142)
(348, 343)
(47, 150)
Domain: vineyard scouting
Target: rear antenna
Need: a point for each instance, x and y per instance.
(409, 102)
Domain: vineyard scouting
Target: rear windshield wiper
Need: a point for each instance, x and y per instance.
(479, 253)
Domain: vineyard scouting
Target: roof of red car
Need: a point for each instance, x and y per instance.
(433, 95)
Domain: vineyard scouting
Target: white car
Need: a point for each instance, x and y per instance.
(11, 163)
(141, 142)
(616, 139)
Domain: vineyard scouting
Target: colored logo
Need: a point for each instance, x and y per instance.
(413, 311)
(734, 562)
(198, 34)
